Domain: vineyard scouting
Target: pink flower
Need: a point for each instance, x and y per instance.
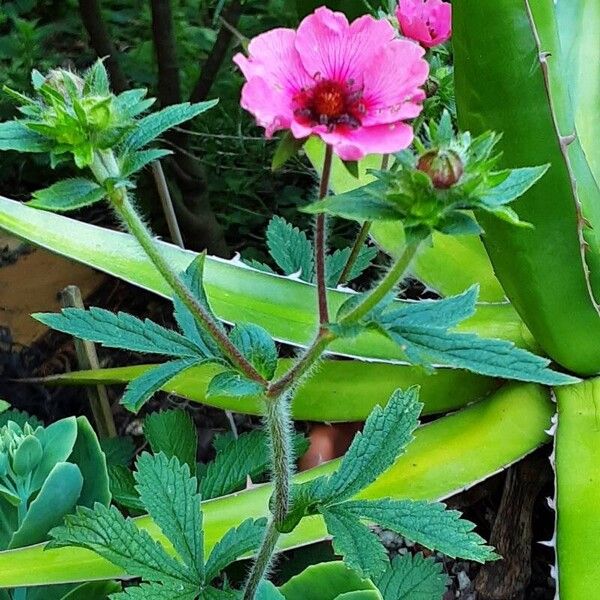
(353, 85)
(428, 22)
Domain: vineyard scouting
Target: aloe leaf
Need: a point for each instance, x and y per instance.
(286, 308)
(338, 391)
(447, 455)
(451, 265)
(515, 80)
(577, 464)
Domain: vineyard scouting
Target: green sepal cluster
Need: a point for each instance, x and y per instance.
(77, 116)
(170, 495)
(437, 186)
(384, 438)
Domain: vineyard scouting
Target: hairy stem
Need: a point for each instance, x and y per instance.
(320, 240)
(279, 428)
(385, 286)
(105, 166)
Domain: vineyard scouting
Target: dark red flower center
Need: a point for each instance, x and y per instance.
(330, 103)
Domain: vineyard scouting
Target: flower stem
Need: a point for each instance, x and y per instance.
(279, 428)
(320, 239)
(104, 167)
(385, 286)
(362, 235)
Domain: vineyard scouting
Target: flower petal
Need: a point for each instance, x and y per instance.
(272, 108)
(354, 144)
(331, 48)
(392, 83)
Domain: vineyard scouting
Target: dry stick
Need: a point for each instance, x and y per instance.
(167, 203)
(88, 359)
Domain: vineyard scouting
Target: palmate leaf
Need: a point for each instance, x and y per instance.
(257, 346)
(232, 383)
(386, 433)
(159, 429)
(118, 540)
(156, 591)
(427, 523)
(120, 330)
(234, 544)
(142, 388)
(290, 248)
(360, 547)
(68, 194)
(335, 263)
(122, 488)
(151, 126)
(171, 498)
(412, 577)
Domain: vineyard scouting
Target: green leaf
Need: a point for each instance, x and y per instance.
(88, 456)
(96, 80)
(367, 203)
(56, 499)
(135, 161)
(325, 581)
(235, 543)
(122, 488)
(290, 248)
(430, 524)
(257, 346)
(133, 102)
(141, 389)
(93, 590)
(287, 148)
(119, 330)
(157, 591)
(14, 135)
(240, 458)
(232, 383)
(19, 417)
(151, 126)
(267, 591)
(118, 450)
(68, 194)
(386, 434)
(335, 263)
(171, 497)
(517, 182)
(355, 542)
(4, 405)
(413, 577)
(106, 532)
(173, 432)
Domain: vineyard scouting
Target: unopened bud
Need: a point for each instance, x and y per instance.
(444, 167)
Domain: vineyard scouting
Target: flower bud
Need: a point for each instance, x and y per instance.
(444, 167)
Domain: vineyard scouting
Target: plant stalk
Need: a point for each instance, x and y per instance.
(321, 241)
(105, 166)
(263, 561)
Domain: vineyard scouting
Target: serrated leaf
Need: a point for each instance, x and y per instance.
(287, 147)
(257, 346)
(135, 161)
(430, 524)
(517, 182)
(240, 458)
(259, 266)
(96, 79)
(14, 135)
(234, 544)
(386, 434)
(142, 388)
(290, 248)
(413, 577)
(118, 540)
(367, 203)
(193, 277)
(232, 383)
(119, 330)
(118, 450)
(133, 102)
(151, 126)
(173, 432)
(69, 194)
(156, 591)
(170, 495)
(355, 542)
(335, 263)
(122, 488)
